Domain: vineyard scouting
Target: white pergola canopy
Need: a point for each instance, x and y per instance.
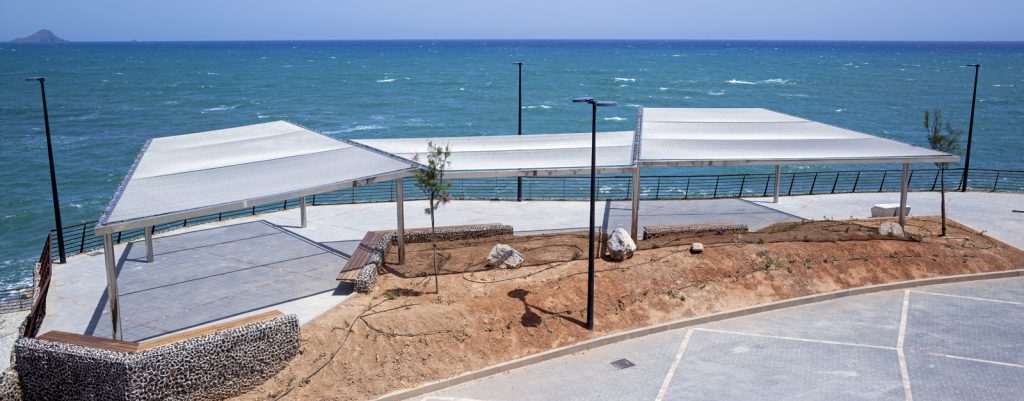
(184, 176)
(519, 155)
(721, 137)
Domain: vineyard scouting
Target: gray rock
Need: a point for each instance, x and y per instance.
(504, 257)
(696, 247)
(620, 245)
(891, 229)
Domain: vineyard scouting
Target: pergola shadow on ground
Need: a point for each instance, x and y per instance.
(208, 275)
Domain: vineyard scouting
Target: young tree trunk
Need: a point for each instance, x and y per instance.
(942, 195)
(433, 245)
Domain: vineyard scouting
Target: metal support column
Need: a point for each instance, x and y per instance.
(149, 243)
(903, 195)
(112, 298)
(778, 175)
(302, 210)
(636, 205)
(400, 201)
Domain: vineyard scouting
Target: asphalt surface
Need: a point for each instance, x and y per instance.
(961, 341)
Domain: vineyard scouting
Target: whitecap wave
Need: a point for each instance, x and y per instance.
(220, 108)
(625, 79)
(716, 93)
(385, 80)
(662, 88)
(362, 128)
(773, 81)
(538, 106)
(614, 119)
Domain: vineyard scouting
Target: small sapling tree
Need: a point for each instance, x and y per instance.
(943, 138)
(431, 181)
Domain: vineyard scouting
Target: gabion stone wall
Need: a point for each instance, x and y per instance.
(213, 366)
(368, 275)
(726, 228)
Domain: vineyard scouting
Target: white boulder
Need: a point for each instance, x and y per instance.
(891, 229)
(620, 245)
(696, 248)
(504, 257)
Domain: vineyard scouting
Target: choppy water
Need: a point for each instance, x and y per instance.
(106, 99)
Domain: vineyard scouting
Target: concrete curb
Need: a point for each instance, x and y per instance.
(679, 324)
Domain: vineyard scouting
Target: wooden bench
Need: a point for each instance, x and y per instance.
(129, 346)
(364, 251)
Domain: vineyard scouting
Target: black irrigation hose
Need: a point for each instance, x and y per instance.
(335, 353)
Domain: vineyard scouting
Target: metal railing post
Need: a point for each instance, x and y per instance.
(882, 184)
(995, 183)
(742, 183)
(855, 182)
(778, 174)
(813, 182)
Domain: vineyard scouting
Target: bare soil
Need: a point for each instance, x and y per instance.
(403, 334)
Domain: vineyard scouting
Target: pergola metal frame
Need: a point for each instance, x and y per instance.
(636, 161)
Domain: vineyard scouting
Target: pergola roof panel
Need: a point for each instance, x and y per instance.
(705, 137)
(510, 155)
(189, 175)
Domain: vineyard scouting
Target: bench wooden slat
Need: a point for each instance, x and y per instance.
(362, 255)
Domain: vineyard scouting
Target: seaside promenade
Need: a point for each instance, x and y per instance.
(224, 270)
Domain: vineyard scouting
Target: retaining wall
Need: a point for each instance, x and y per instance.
(213, 366)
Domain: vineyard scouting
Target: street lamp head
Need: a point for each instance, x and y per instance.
(605, 103)
(519, 63)
(40, 79)
(973, 65)
(583, 100)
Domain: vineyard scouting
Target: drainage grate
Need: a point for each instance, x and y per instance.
(623, 363)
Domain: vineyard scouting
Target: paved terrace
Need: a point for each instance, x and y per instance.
(229, 269)
(945, 342)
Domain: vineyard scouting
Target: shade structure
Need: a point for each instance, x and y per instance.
(184, 176)
(754, 136)
(515, 155)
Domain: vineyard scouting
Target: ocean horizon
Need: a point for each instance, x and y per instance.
(107, 98)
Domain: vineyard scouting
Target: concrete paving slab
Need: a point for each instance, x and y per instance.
(966, 328)
(1008, 289)
(584, 377)
(658, 213)
(937, 378)
(719, 366)
(872, 319)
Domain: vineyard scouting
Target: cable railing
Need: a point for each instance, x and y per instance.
(79, 238)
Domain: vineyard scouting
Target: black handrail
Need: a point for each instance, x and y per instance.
(79, 238)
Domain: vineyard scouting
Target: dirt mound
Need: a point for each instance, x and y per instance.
(403, 335)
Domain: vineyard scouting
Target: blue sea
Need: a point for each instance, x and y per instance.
(106, 99)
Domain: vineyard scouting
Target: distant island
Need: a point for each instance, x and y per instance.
(43, 36)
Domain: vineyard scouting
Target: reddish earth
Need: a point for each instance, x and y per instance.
(403, 334)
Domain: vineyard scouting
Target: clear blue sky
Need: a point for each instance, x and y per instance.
(113, 20)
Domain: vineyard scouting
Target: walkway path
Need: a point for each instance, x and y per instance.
(947, 342)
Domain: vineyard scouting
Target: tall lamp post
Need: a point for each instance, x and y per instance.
(970, 128)
(53, 175)
(594, 104)
(519, 180)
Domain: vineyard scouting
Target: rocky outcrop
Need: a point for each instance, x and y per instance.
(504, 257)
(43, 36)
(891, 230)
(620, 245)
